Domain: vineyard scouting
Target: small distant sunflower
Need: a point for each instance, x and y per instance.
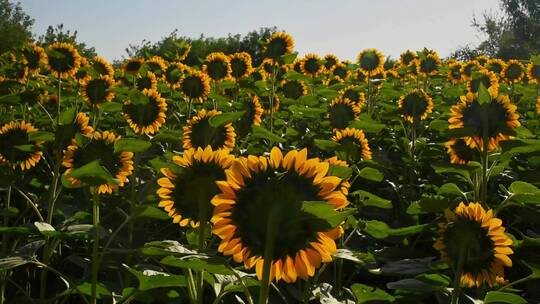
(16, 150)
(533, 72)
(174, 73)
(102, 66)
(329, 61)
(34, 55)
(406, 58)
(460, 152)
(265, 102)
(429, 65)
(253, 115)
(259, 190)
(293, 89)
(199, 133)
(391, 74)
(217, 66)
(341, 71)
(514, 71)
(18, 71)
(415, 106)
(146, 118)
(241, 66)
(132, 66)
(156, 65)
(333, 80)
(100, 147)
(98, 90)
(468, 68)
(186, 195)
(360, 77)
(370, 61)
(482, 60)
(454, 72)
(485, 77)
(538, 105)
(83, 73)
(63, 59)
(353, 94)
(478, 236)
(278, 45)
(195, 85)
(496, 66)
(182, 52)
(81, 124)
(342, 112)
(311, 65)
(502, 114)
(354, 143)
(147, 81)
(297, 65)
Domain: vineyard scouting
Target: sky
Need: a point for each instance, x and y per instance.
(341, 27)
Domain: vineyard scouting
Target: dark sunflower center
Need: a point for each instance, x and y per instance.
(62, 60)
(193, 86)
(97, 90)
(496, 118)
(155, 68)
(244, 124)
(414, 104)
(468, 235)
(203, 134)
(238, 67)
(352, 95)
(194, 188)
(483, 79)
(312, 65)
(278, 200)
(133, 66)
(407, 58)
(216, 69)
(463, 151)
(369, 61)
(101, 68)
(98, 150)
(455, 72)
(341, 115)
(276, 47)
(144, 82)
(513, 72)
(14, 145)
(428, 65)
(173, 75)
(468, 69)
(340, 72)
(32, 58)
(535, 71)
(495, 67)
(330, 62)
(293, 89)
(143, 114)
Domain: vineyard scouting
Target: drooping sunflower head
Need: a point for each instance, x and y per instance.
(502, 116)
(429, 65)
(147, 81)
(478, 237)
(195, 85)
(354, 144)
(217, 66)
(132, 66)
(16, 149)
(185, 195)
(533, 72)
(406, 58)
(264, 200)
(496, 66)
(63, 59)
(342, 111)
(514, 71)
(454, 72)
(293, 89)
(99, 147)
(98, 90)
(156, 65)
(370, 61)
(278, 45)
(34, 56)
(311, 65)
(415, 106)
(485, 77)
(353, 94)
(241, 65)
(199, 133)
(329, 61)
(340, 70)
(460, 152)
(468, 68)
(102, 66)
(146, 118)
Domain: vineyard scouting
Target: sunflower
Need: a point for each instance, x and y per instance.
(81, 124)
(359, 76)
(34, 55)
(334, 161)
(460, 152)
(501, 113)
(477, 236)
(341, 71)
(217, 66)
(297, 65)
(485, 77)
(333, 80)
(342, 112)
(241, 65)
(354, 143)
(329, 61)
(265, 103)
(100, 147)
(147, 81)
(311, 65)
(173, 74)
(391, 74)
(482, 60)
(132, 66)
(268, 192)
(83, 73)
(18, 71)
(429, 65)
(195, 85)
(16, 149)
(98, 90)
(182, 52)
(278, 45)
(156, 65)
(63, 59)
(406, 58)
(186, 195)
(199, 133)
(416, 105)
(533, 72)
(252, 117)
(353, 94)
(293, 89)
(146, 118)
(538, 105)
(102, 67)
(514, 71)
(454, 72)
(370, 61)
(468, 68)
(496, 66)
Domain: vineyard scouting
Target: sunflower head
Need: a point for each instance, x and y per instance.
(173, 74)
(485, 77)
(496, 66)
(199, 133)
(217, 66)
(482, 60)
(293, 89)
(311, 65)
(342, 111)
(268, 108)
(182, 51)
(185, 195)
(241, 65)
(147, 117)
(329, 61)
(429, 64)
(391, 74)
(353, 94)
(370, 61)
(354, 144)
(16, 149)
(195, 85)
(415, 106)
(460, 152)
(98, 90)
(156, 65)
(406, 58)
(132, 66)
(340, 70)
(278, 45)
(477, 238)
(34, 56)
(468, 68)
(514, 71)
(252, 116)
(63, 59)
(533, 72)
(454, 72)
(102, 66)
(147, 81)
(265, 200)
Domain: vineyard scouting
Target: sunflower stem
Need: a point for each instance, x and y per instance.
(272, 96)
(268, 257)
(189, 109)
(4, 274)
(200, 274)
(95, 247)
(456, 285)
(58, 104)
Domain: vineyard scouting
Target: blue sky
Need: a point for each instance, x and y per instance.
(340, 27)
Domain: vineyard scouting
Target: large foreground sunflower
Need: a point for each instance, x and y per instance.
(185, 195)
(199, 133)
(262, 195)
(146, 118)
(16, 149)
(478, 237)
(63, 59)
(354, 143)
(100, 147)
(415, 106)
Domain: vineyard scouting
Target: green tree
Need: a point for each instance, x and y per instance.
(15, 26)
(58, 33)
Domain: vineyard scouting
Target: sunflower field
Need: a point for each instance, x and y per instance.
(306, 179)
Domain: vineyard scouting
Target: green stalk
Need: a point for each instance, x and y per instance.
(485, 159)
(202, 202)
(272, 96)
(95, 247)
(268, 256)
(4, 274)
(457, 276)
(189, 109)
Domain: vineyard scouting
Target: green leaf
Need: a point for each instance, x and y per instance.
(225, 118)
(13, 262)
(368, 126)
(525, 193)
(340, 171)
(450, 190)
(434, 279)
(150, 212)
(514, 146)
(326, 145)
(288, 58)
(131, 145)
(368, 294)
(111, 107)
(371, 174)
(13, 99)
(93, 174)
(328, 93)
(262, 132)
(369, 199)
(150, 279)
(86, 289)
(483, 95)
(41, 136)
(325, 212)
(214, 265)
(137, 97)
(380, 230)
(503, 297)
(68, 116)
